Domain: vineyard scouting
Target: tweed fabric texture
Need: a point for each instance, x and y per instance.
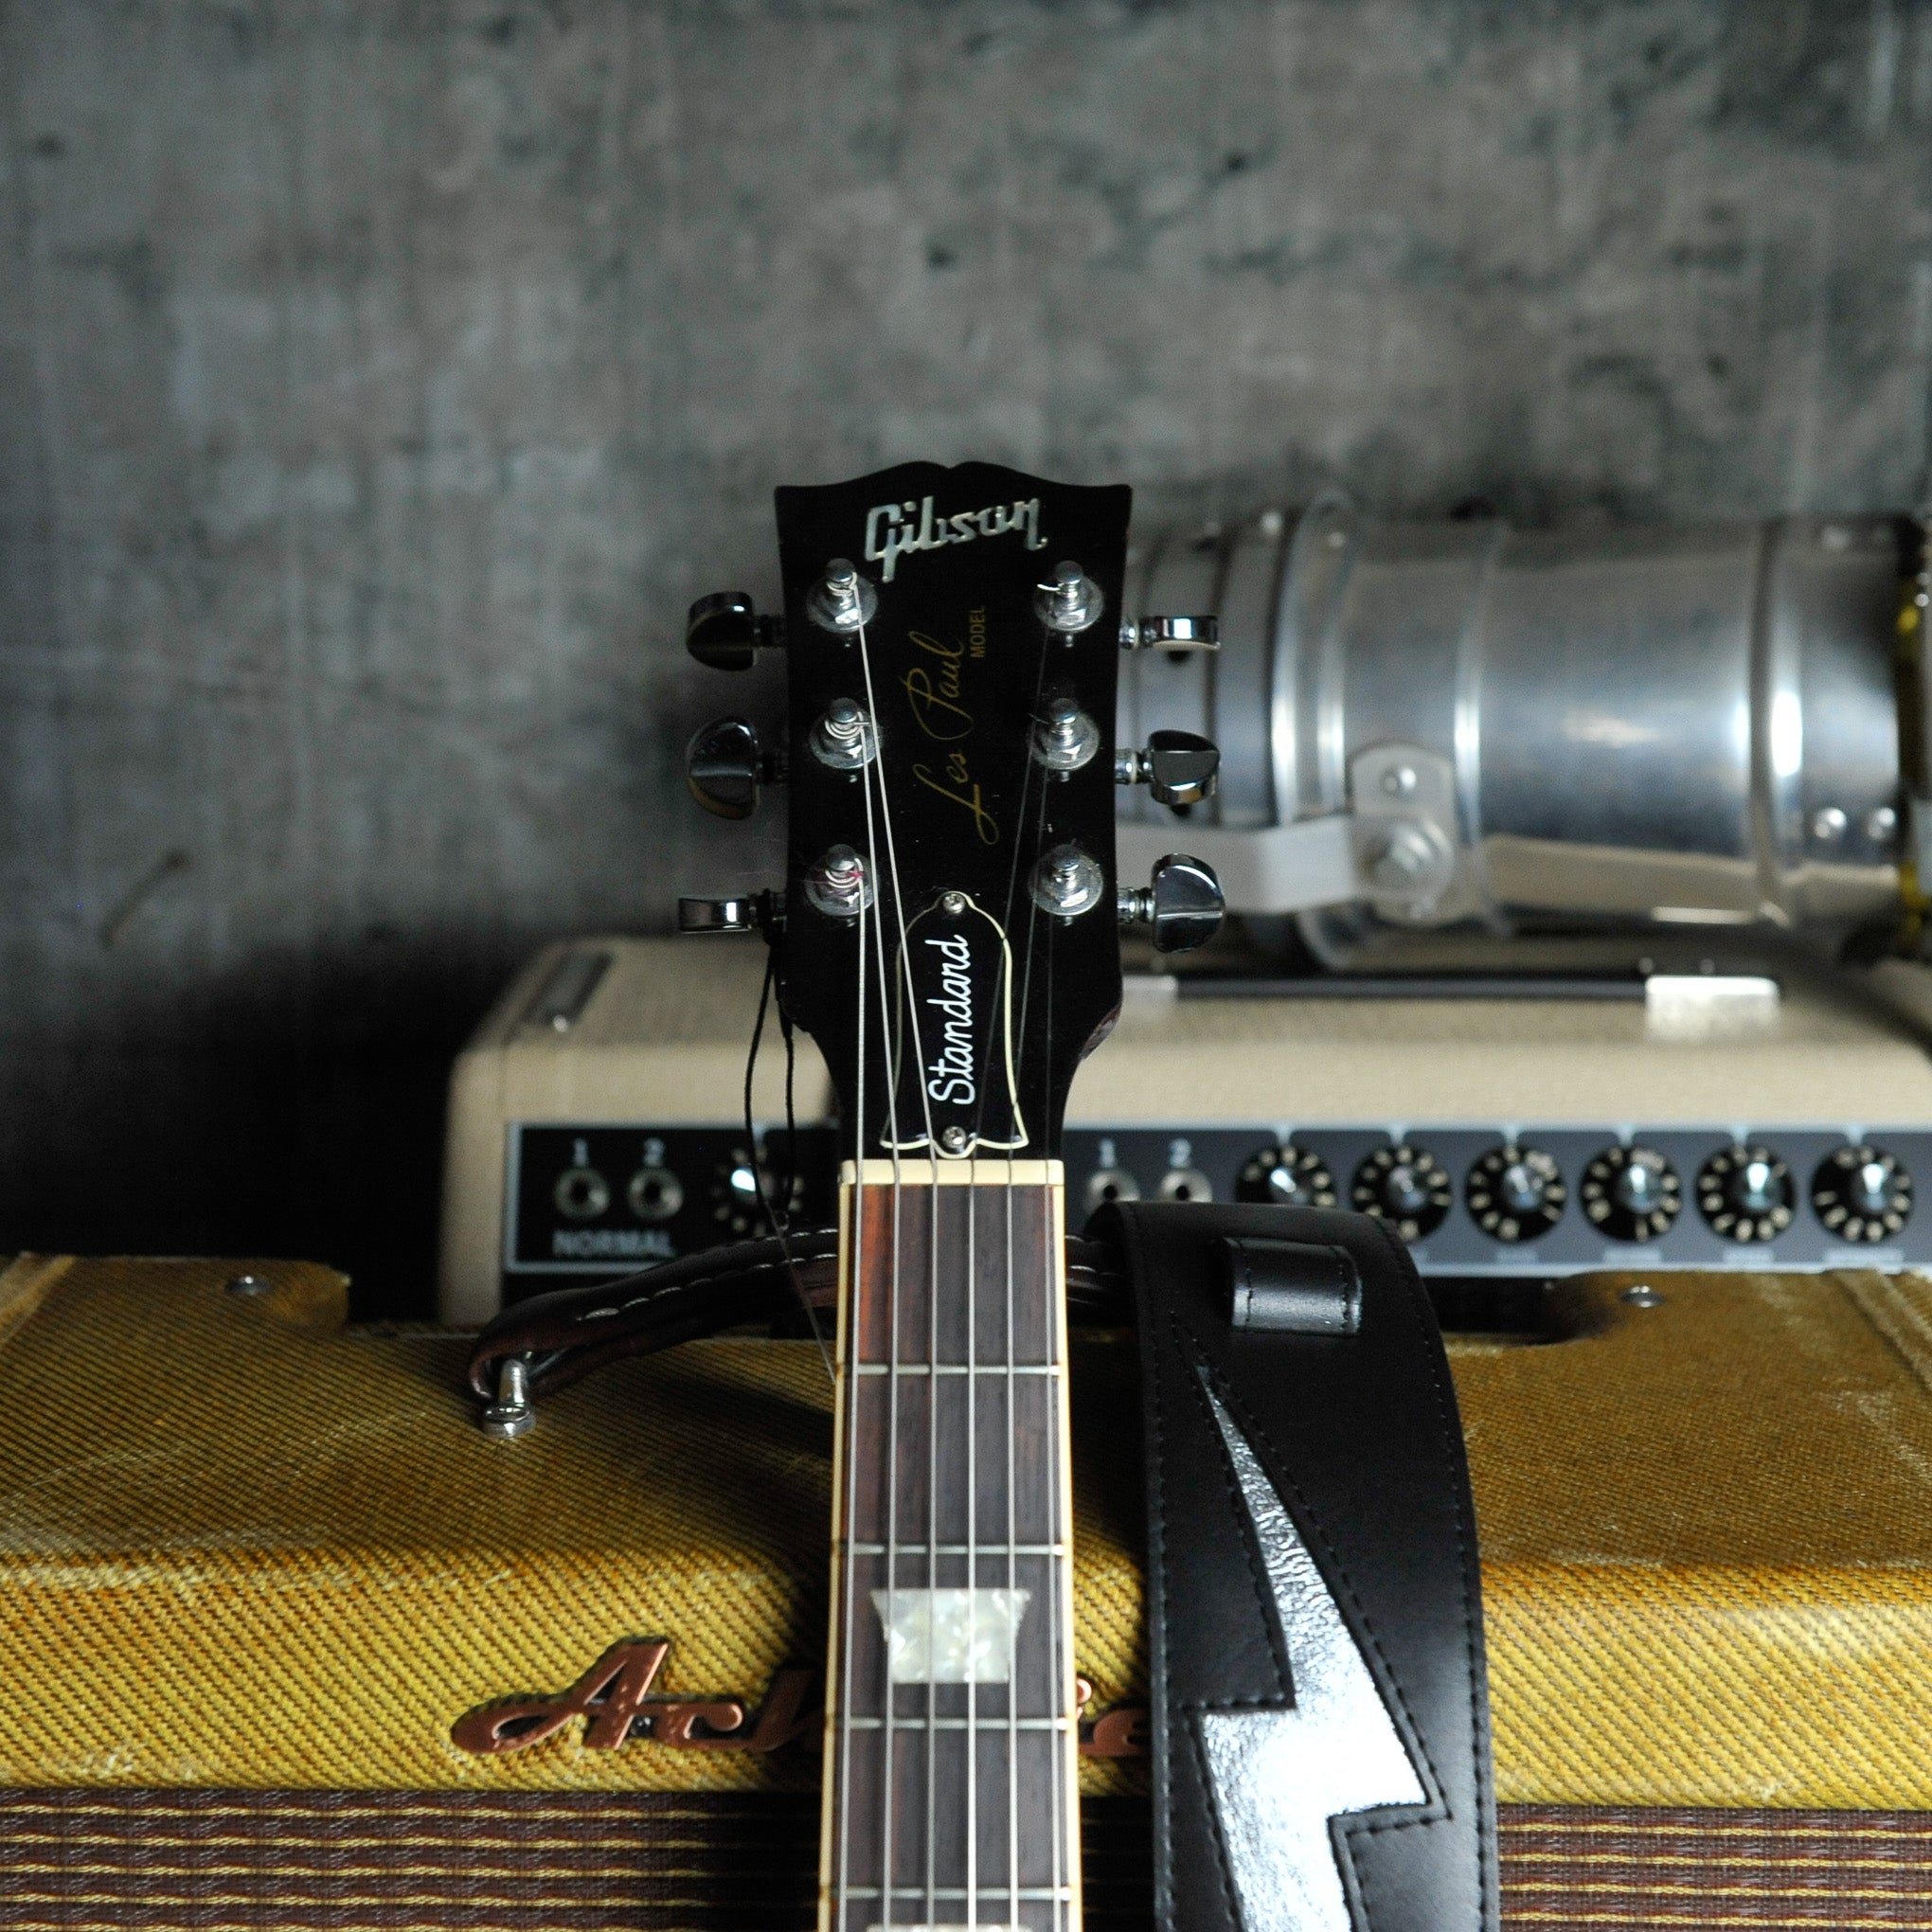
(442, 1861)
(241, 1546)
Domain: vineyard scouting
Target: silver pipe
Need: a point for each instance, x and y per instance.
(1530, 730)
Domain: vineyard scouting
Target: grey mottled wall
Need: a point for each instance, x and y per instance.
(381, 381)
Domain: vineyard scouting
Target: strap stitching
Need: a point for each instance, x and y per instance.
(1452, 1441)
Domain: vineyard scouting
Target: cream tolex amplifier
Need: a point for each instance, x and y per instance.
(1688, 1120)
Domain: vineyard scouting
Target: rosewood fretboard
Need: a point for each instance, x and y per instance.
(950, 1749)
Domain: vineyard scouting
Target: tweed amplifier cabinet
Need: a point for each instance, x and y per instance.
(1708, 1121)
(288, 1642)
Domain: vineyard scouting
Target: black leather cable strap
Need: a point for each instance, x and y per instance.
(566, 1334)
(1322, 1752)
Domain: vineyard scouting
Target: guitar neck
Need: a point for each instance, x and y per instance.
(950, 1740)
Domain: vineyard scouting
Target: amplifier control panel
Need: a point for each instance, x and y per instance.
(602, 1200)
(1523, 1199)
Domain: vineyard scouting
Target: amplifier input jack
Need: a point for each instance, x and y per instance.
(1186, 1184)
(1110, 1183)
(581, 1193)
(654, 1193)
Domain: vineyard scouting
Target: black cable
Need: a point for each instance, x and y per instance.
(780, 1221)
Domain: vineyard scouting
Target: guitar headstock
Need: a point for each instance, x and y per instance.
(949, 927)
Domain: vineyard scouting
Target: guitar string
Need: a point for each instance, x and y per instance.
(905, 985)
(1043, 936)
(850, 1391)
(1056, 1669)
(1013, 1683)
(1056, 1663)
(858, 1285)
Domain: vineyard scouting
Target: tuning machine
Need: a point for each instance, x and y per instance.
(724, 632)
(746, 912)
(1177, 767)
(1171, 634)
(1181, 905)
(725, 765)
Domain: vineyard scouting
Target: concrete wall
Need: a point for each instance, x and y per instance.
(381, 380)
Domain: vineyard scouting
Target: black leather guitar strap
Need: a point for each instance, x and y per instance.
(1322, 1752)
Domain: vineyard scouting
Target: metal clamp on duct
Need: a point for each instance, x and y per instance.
(1462, 725)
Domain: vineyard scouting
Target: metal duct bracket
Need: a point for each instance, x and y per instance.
(1403, 836)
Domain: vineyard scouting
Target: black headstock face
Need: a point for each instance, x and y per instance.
(951, 937)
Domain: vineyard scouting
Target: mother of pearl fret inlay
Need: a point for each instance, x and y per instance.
(951, 1637)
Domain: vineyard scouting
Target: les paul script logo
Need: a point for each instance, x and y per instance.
(935, 686)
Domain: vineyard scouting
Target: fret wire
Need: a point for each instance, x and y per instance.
(955, 1894)
(960, 1724)
(979, 1552)
(1053, 1370)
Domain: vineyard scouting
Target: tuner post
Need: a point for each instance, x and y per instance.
(840, 885)
(724, 632)
(1071, 604)
(1181, 905)
(842, 601)
(1066, 738)
(844, 739)
(1067, 882)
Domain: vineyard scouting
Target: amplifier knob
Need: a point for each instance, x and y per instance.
(1516, 1194)
(737, 1186)
(1746, 1193)
(1407, 1186)
(1630, 1193)
(1862, 1193)
(1286, 1177)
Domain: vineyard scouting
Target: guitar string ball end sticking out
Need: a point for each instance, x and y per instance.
(1071, 604)
(842, 601)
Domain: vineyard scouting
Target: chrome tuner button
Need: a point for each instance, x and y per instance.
(1746, 1195)
(1862, 1194)
(1287, 1176)
(842, 601)
(843, 738)
(1070, 604)
(1067, 882)
(724, 767)
(1181, 905)
(840, 885)
(1516, 1193)
(724, 631)
(1630, 1193)
(723, 915)
(1407, 1186)
(1171, 634)
(1066, 738)
(1177, 767)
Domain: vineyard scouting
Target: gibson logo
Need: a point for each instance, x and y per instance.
(613, 1699)
(889, 536)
